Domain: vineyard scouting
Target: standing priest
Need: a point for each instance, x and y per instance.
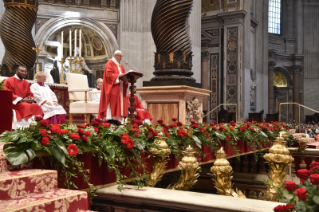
(113, 103)
(47, 100)
(24, 104)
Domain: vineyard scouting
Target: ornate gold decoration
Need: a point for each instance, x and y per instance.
(278, 158)
(15, 31)
(210, 5)
(159, 156)
(222, 176)
(279, 79)
(189, 167)
(37, 50)
(62, 81)
(76, 60)
(193, 111)
(70, 62)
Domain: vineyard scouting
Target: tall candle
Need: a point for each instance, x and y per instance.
(62, 44)
(80, 43)
(70, 43)
(75, 43)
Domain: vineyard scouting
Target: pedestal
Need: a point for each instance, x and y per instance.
(167, 102)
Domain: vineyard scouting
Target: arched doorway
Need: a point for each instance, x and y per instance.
(283, 93)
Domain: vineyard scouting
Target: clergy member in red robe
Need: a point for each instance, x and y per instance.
(113, 102)
(140, 113)
(23, 100)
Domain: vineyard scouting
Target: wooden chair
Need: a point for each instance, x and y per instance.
(78, 89)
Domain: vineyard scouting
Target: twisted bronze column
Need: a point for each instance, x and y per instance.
(173, 57)
(15, 31)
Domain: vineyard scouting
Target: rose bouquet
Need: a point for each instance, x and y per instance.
(302, 197)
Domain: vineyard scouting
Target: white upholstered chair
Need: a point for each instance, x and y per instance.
(78, 89)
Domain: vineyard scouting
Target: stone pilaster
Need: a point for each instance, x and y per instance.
(205, 76)
(113, 4)
(271, 99)
(103, 3)
(296, 90)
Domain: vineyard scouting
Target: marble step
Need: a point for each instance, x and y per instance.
(54, 200)
(17, 184)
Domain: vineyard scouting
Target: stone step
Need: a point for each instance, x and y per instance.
(54, 200)
(23, 183)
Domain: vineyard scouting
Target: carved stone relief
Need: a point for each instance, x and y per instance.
(193, 111)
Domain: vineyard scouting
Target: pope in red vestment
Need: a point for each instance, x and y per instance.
(23, 99)
(113, 103)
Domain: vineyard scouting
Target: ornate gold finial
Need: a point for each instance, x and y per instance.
(62, 81)
(159, 156)
(222, 176)
(189, 167)
(278, 158)
(37, 50)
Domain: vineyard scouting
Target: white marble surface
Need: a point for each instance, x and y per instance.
(182, 200)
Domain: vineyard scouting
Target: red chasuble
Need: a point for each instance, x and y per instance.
(141, 113)
(21, 88)
(111, 93)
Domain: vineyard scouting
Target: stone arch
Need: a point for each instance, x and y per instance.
(56, 24)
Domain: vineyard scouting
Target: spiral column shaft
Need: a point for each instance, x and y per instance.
(15, 31)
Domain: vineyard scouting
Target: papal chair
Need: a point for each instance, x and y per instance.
(78, 89)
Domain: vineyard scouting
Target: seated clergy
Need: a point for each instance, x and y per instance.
(140, 113)
(95, 97)
(47, 100)
(24, 105)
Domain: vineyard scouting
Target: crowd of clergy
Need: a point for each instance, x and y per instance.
(39, 100)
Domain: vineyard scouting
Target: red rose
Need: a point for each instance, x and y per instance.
(289, 207)
(280, 208)
(96, 129)
(64, 131)
(45, 141)
(137, 135)
(133, 121)
(303, 174)
(74, 136)
(73, 150)
(155, 133)
(302, 194)
(45, 123)
(179, 123)
(150, 129)
(314, 179)
(38, 118)
(43, 131)
(160, 121)
(125, 138)
(106, 125)
(85, 139)
(174, 119)
(82, 126)
(135, 126)
(290, 186)
(314, 167)
(98, 120)
(139, 122)
(95, 123)
(193, 122)
(80, 131)
(195, 125)
(87, 133)
(130, 144)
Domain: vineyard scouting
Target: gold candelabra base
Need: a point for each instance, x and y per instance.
(62, 81)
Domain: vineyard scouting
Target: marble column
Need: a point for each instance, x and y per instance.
(271, 99)
(205, 76)
(296, 90)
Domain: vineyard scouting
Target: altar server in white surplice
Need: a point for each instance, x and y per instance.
(47, 100)
(96, 96)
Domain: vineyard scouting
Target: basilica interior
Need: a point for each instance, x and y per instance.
(242, 60)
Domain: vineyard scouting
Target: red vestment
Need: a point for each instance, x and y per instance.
(21, 88)
(141, 113)
(111, 93)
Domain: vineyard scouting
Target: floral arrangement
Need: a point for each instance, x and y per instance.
(122, 146)
(302, 197)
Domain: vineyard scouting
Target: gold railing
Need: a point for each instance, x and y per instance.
(218, 107)
(295, 103)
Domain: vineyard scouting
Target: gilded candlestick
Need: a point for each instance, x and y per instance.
(70, 62)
